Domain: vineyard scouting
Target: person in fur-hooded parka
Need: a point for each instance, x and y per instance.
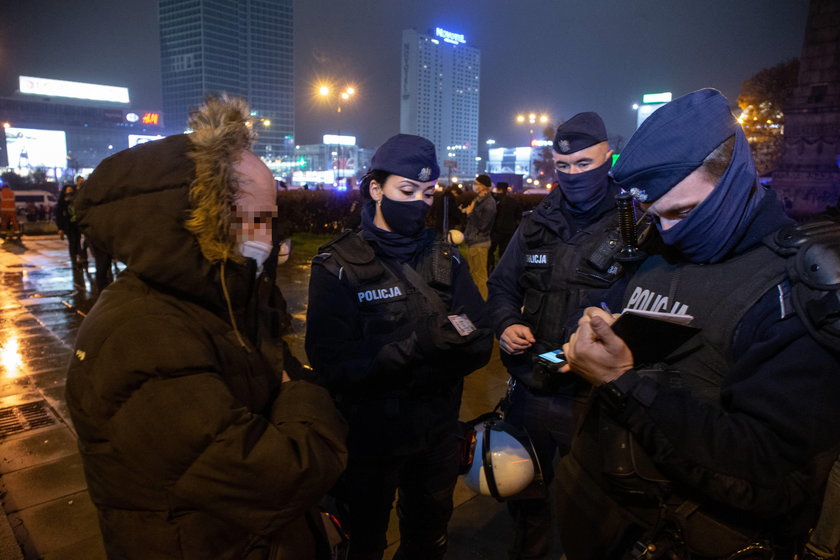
(193, 446)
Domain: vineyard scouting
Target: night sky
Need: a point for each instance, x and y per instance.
(555, 56)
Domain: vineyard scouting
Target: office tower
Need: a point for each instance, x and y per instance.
(440, 86)
(241, 47)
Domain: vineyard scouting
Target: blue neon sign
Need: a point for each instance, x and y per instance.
(450, 37)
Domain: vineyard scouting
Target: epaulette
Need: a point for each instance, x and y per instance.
(812, 250)
(351, 256)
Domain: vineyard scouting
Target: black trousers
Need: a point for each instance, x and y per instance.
(74, 243)
(549, 421)
(423, 481)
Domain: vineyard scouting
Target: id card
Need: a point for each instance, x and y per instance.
(462, 324)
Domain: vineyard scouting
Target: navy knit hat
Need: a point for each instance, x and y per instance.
(408, 156)
(673, 142)
(578, 133)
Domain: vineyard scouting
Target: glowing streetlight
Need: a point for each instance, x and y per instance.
(329, 93)
(532, 118)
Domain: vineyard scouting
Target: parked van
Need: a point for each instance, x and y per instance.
(45, 198)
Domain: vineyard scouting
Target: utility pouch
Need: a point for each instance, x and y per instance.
(441, 265)
(603, 257)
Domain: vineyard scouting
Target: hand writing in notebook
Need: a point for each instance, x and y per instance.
(594, 351)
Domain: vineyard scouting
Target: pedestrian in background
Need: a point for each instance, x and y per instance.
(480, 213)
(8, 212)
(393, 325)
(102, 260)
(68, 227)
(508, 214)
(199, 434)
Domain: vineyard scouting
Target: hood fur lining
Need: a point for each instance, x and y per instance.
(222, 130)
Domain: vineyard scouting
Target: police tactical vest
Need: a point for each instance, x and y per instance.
(558, 273)
(386, 301)
(717, 296)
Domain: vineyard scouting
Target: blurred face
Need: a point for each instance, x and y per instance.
(256, 205)
(480, 188)
(685, 196)
(583, 160)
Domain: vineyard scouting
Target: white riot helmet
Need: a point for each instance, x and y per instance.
(503, 460)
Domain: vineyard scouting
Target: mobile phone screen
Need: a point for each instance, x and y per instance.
(554, 356)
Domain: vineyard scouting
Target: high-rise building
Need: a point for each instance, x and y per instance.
(440, 87)
(241, 47)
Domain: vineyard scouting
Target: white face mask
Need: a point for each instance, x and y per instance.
(256, 250)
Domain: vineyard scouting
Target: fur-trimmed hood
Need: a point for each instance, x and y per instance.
(164, 208)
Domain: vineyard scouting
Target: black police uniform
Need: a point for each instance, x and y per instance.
(540, 282)
(721, 448)
(725, 435)
(370, 343)
(379, 338)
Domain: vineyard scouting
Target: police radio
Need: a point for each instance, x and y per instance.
(442, 254)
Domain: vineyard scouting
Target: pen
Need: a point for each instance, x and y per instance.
(605, 307)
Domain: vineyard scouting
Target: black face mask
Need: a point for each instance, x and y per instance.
(498, 196)
(585, 190)
(406, 218)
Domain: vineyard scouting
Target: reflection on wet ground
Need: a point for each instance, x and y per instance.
(42, 303)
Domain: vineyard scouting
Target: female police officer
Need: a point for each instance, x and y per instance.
(394, 323)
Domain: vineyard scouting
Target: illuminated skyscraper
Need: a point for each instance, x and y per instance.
(440, 86)
(242, 47)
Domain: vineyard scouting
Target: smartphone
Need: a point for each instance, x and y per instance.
(554, 357)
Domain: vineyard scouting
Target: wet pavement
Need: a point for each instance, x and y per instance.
(48, 513)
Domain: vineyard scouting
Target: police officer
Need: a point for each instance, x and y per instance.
(394, 323)
(721, 447)
(550, 264)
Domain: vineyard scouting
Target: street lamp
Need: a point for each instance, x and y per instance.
(532, 119)
(327, 93)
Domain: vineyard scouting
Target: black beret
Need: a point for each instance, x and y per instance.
(409, 156)
(484, 180)
(578, 133)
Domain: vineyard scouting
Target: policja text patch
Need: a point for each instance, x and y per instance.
(538, 259)
(380, 294)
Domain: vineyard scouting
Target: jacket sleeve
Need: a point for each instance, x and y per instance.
(779, 411)
(183, 428)
(505, 294)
